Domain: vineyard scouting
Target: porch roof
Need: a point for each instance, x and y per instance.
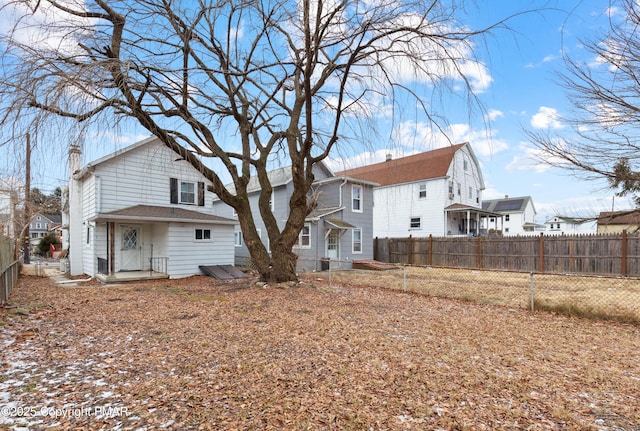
(462, 207)
(340, 224)
(161, 214)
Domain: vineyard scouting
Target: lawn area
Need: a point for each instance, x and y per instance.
(203, 354)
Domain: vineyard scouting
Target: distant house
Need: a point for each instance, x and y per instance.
(559, 225)
(337, 232)
(432, 193)
(618, 221)
(8, 203)
(517, 215)
(41, 225)
(143, 211)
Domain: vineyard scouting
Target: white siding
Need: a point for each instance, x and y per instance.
(394, 206)
(141, 177)
(186, 255)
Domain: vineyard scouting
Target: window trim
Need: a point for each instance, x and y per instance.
(354, 242)
(412, 223)
(301, 235)
(181, 192)
(422, 189)
(203, 234)
(237, 235)
(359, 199)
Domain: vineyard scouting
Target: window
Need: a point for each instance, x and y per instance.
(203, 234)
(304, 238)
(459, 190)
(38, 225)
(492, 219)
(451, 187)
(465, 164)
(506, 217)
(356, 198)
(470, 192)
(356, 240)
(422, 191)
(187, 193)
(34, 235)
(237, 238)
(415, 223)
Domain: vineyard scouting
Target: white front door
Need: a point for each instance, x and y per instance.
(333, 244)
(130, 249)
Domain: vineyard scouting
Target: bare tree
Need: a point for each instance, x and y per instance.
(245, 82)
(602, 140)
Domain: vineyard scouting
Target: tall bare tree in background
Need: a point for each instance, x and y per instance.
(247, 82)
(603, 137)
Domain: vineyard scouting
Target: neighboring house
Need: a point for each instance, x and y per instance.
(433, 193)
(8, 203)
(338, 231)
(42, 224)
(559, 225)
(618, 221)
(517, 216)
(143, 210)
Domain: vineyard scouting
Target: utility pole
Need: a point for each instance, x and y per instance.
(27, 202)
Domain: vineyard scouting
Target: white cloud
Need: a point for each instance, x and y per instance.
(546, 118)
(532, 160)
(493, 114)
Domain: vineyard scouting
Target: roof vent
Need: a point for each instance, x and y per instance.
(389, 157)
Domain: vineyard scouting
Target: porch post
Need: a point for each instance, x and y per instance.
(111, 245)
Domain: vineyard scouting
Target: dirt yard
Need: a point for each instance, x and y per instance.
(203, 354)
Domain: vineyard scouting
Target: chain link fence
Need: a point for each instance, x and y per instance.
(9, 268)
(610, 298)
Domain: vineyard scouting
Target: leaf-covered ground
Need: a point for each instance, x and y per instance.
(202, 354)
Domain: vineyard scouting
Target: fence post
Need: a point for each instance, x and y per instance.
(541, 252)
(375, 249)
(531, 290)
(479, 251)
(410, 251)
(430, 255)
(623, 262)
(404, 281)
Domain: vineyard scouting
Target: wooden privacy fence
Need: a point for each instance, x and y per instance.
(617, 254)
(8, 268)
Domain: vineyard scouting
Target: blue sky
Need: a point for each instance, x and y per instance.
(517, 88)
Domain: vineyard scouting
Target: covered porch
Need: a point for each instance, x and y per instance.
(467, 220)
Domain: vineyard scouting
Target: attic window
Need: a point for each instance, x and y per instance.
(187, 192)
(422, 191)
(466, 164)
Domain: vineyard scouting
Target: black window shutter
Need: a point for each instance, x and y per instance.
(173, 189)
(200, 194)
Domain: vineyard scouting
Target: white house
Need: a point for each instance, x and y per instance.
(8, 203)
(143, 211)
(517, 216)
(432, 193)
(559, 225)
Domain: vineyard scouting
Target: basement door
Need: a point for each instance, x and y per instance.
(130, 249)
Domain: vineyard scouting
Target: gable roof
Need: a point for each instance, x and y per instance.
(630, 217)
(422, 166)
(517, 204)
(277, 177)
(89, 167)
